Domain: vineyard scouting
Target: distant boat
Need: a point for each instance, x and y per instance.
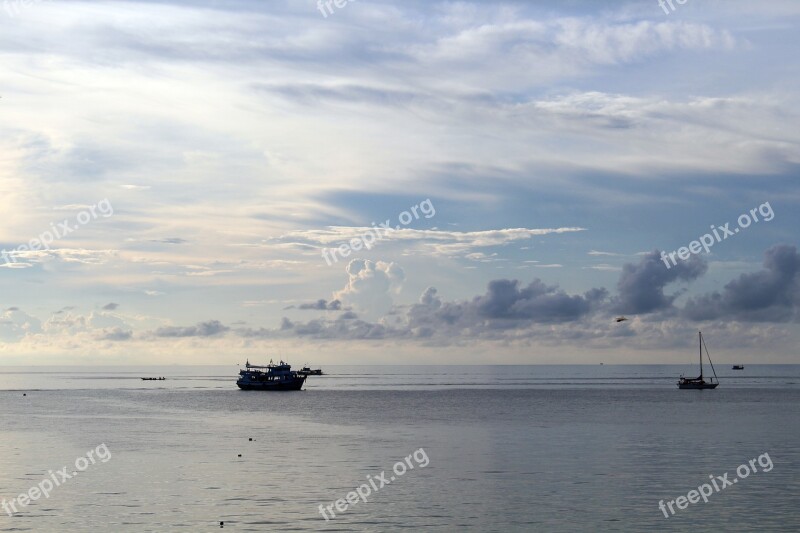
(307, 371)
(153, 379)
(699, 382)
(738, 367)
(272, 377)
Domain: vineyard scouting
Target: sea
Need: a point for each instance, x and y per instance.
(400, 448)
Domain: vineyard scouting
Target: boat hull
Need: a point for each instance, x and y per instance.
(697, 386)
(274, 385)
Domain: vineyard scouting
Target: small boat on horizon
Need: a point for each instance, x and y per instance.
(307, 371)
(699, 382)
(738, 367)
(153, 379)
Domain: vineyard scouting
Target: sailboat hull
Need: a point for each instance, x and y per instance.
(697, 385)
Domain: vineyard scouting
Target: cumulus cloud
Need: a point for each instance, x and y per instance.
(506, 304)
(511, 310)
(508, 311)
(770, 295)
(370, 285)
(641, 286)
(16, 324)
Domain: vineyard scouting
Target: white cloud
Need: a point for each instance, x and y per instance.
(370, 286)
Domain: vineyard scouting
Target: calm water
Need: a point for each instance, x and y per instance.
(511, 448)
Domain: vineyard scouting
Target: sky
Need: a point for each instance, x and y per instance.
(387, 182)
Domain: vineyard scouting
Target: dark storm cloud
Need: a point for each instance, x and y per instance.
(641, 286)
(770, 295)
(110, 306)
(202, 329)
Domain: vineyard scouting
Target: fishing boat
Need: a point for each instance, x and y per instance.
(699, 382)
(306, 370)
(738, 367)
(272, 377)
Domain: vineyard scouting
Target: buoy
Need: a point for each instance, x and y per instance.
(222, 524)
(250, 439)
(240, 455)
(24, 394)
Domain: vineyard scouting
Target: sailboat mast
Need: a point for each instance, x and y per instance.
(700, 342)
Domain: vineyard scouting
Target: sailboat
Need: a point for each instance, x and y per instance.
(699, 382)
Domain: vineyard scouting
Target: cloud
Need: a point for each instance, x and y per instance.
(202, 329)
(370, 284)
(29, 258)
(505, 301)
(505, 307)
(641, 286)
(322, 305)
(16, 324)
(114, 334)
(610, 254)
(437, 242)
(508, 311)
(110, 306)
(170, 240)
(560, 47)
(770, 295)
(604, 267)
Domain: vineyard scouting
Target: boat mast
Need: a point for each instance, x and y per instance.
(700, 342)
(710, 362)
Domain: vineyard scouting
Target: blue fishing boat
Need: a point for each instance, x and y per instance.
(272, 377)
